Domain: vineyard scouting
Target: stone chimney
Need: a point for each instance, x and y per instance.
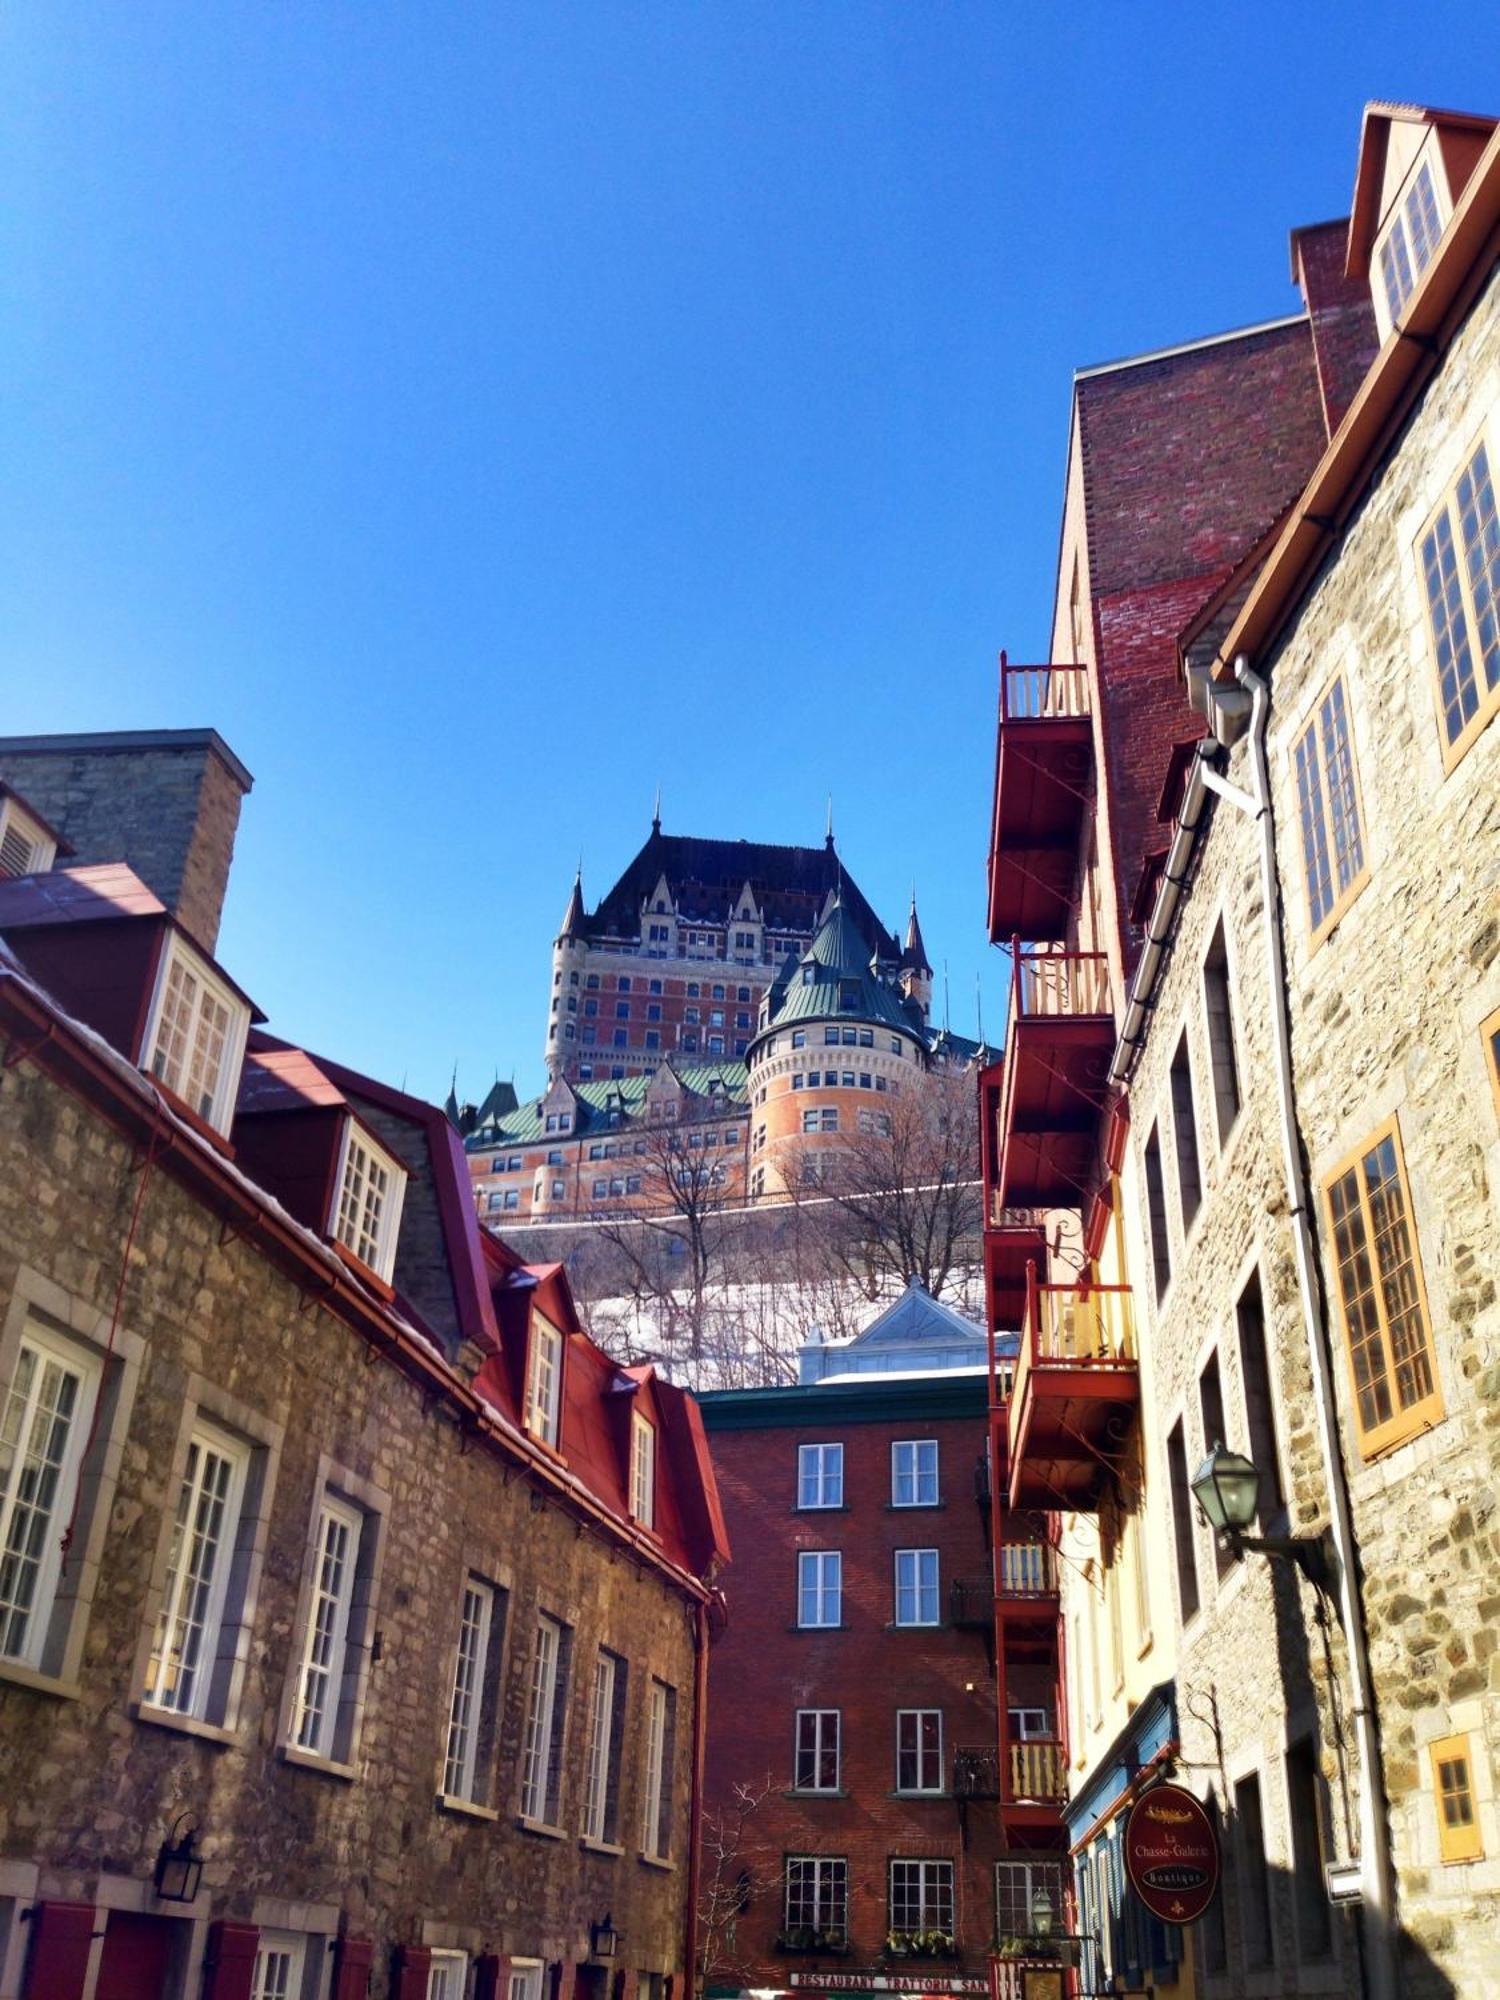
(167, 801)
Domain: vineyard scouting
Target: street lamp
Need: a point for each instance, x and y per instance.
(1041, 1913)
(604, 1939)
(179, 1865)
(1226, 1487)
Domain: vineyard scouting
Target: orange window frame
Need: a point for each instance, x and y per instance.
(1449, 513)
(1459, 1835)
(1490, 1030)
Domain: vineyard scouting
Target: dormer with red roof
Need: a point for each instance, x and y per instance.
(1414, 163)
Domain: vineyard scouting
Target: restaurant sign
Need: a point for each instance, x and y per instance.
(884, 1982)
(1172, 1854)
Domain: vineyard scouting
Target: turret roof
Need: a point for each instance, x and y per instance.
(834, 980)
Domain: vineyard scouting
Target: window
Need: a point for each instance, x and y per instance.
(1255, 1888)
(1333, 852)
(642, 1469)
(1255, 1375)
(471, 1712)
(921, 1896)
(559, 1189)
(820, 1587)
(447, 1972)
(546, 1705)
(718, 993)
(1211, 1410)
(279, 1960)
(1459, 1837)
(512, 1198)
(371, 1191)
(1185, 1132)
(919, 1750)
(1219, 1011)
(799, 1038)
(1460, 555)
(1304, 1798)
(914, 1472)
(826, 1120)
(817, 1897)
(661, 1746)
(544, 1372)
(1156, 1203)
(1409, 243)
(916, 1586)
(525, 1980)
(1182, 1523)
(1380, 1295)
(816, 1766)
(197, 1035)
(321, 1717)
(180, 1676)
(820, 1475)
(1017, 1886)
(43, 1437)
(601, 1811)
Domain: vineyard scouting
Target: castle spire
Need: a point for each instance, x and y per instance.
(914, 957)
(572, 923)
(656, 810)
(828, 837)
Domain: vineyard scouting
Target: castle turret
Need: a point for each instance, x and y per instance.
(916, 973)
(568, 953)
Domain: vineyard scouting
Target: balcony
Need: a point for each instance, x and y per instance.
(1044, 782)
(1059, 1041)
(1028, 1574)
(1077, 1385)
(976, 1774)
(1036, 1772)
(971, 1603)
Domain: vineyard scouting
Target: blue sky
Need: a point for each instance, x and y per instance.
(478, 413)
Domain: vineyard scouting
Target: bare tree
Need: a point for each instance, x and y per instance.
(736, 1867)
(671, 1249)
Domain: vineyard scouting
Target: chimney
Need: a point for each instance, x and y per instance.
(167, 801)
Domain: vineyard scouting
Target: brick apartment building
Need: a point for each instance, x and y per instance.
(1245, 858)
(896, 1832)
(354, 1606)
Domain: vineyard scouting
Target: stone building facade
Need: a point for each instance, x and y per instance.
(337, 1558)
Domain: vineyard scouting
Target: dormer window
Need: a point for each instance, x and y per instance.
(372, 1189)
(26, 848)
(642, 1469)
(1405, 247)
(195, 1042)
(543, 1380)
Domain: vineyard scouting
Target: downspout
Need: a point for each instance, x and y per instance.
(1377, 1904)
(695, 1803)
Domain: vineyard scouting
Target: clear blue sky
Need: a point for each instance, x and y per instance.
(480, 412)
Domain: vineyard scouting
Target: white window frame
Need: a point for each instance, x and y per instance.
(541, 1714)
(176, 1613)
(545, 1347)
(825, 1722)
(463, 1777)
(656, 1795)
(1398, 227)
(915, 1717)
(524, 1979)
(359, 1152)
(917, 1586)
(18, 826)
(925, 1869)
(830, 1878)
(447, 1975)
(913, 1472)
(601, 1767)
(815, 1567)
(1448, 514)
(321, 1738)
(813, 1463)
(288, 1945)
(218, 1111)
(642, 1469)
(86, 1371)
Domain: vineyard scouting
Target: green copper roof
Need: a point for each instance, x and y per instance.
(833, 981)
(597, 1098)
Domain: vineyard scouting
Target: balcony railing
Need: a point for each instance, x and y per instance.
(1028, 1569)
(1037, 694)
(1077, 1324)
(1038, 1769)
(1010, 1982)
(1057, 983)
(976, 1774)
(971, 1601)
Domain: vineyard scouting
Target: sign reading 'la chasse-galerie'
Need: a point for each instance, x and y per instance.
(1172, 1854)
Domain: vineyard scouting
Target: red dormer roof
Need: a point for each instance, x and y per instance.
(1462, 136)
(283, 1079)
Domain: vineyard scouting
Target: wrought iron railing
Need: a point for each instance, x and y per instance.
(971, 1601)
(976, 1774)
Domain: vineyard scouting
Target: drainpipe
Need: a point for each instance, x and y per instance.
(695, 1804)
(1376, 1888)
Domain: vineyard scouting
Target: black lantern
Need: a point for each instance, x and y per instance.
(1041, 1913)
(604, 1939)
(179, 1865)
(1226, 1487)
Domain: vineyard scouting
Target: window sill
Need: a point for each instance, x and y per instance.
(839, 1507)
(39, 1683)
(657, 1861)
(183, 1725)
(540, 1828)
(938, 1794)
(309, 1760)
(467, 1808)
(843, 1627)
(914, 1506)
(916, 1625)
(610, 1847)
(816, 1792)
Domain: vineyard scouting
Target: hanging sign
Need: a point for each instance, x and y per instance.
(1172, 1854)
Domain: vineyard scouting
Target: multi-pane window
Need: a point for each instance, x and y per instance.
(279, 1960)
(642, 1469)
(817, 1896)
(1218, 1007)
(446, 1973)
(185, 1646)
(1380, 1291)
(43, 1436)
(539, 1773)
(325, 1642)
(1459, 1837)
(464, 1772)
(820, 1475)
(1215, 1431)
(1018, 1885)
(1409, 243)
(1185, 1133)
(820, 1587)
(919, 1750)
(916, 1586)
(543, 1379)
(1333, 848)
(656, 1799)
(1156, 1204)
(198, 1037)
(1461, 575)
(1182, 1523)
(921, 1897)
(914, 1472)
(525, 1980)
(817, 1750)
(1255, 1376)
(371, 1190)
(606, 1707)
(821, 1121)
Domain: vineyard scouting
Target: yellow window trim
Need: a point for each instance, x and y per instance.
(1489, 1029)
(1454, 753)
(1455, 1843)
(1318, 933)
(1422, 1415)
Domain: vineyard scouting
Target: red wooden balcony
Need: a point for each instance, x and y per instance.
(1044, 779)
(1077, 1384)
(1011, 1244)
(1059, 1040)
(1027, 1577)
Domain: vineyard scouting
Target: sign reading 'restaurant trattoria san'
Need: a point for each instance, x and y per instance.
(1171, 1854)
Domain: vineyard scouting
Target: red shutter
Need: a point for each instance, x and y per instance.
(60, 1937)
(487, 1977)
(351, 1968)
(229, 1966)
(410, 1982)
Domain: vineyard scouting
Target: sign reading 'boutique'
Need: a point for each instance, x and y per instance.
(1172, 1854)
